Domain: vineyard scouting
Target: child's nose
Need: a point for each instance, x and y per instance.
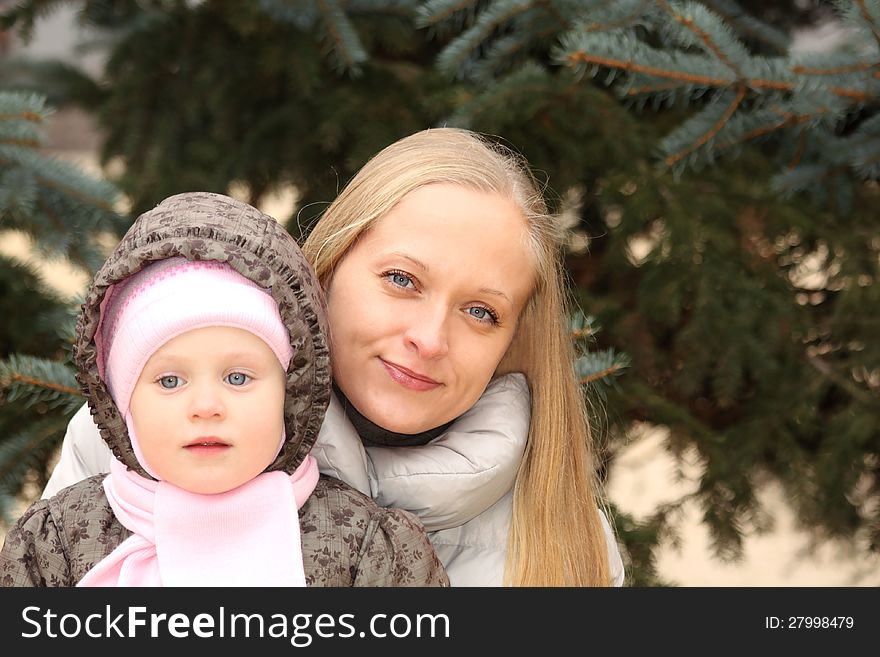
(206, 402)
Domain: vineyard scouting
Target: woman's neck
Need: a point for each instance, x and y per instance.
(373, 435)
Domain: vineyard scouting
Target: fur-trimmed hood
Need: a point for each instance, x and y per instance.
(207, 226)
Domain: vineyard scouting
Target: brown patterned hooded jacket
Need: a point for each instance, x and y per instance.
(347, 539)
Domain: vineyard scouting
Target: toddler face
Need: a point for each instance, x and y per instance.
(208, 409)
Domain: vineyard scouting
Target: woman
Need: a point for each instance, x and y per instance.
(444, 284)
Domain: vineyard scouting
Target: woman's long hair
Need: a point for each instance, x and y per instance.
(556, 536)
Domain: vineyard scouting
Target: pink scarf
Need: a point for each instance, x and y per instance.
(248, 536)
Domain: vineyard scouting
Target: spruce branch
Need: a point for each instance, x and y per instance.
(22, 116)
(345, 42)
(713, 131)
(582, 57)
(25, 15)
(775, 120)
(870, 21)
(487, 23)
(25, 450)
(549, 6)
(506, 50)
(623, 17)
(601, 374)
(798, 154)
(35, 380)
(748, 26)
(711, 34)
(54, 202)
(301, 14)
(764, 124)
(435, 12)
(856, 67)
(651, 89)
(16, 107)
(805, 177)
(592, 366)
(582, 329)
(57, 175)
(529, 81)
(600, 367)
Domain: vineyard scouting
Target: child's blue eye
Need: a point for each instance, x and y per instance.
(169, 382)
(237, 378)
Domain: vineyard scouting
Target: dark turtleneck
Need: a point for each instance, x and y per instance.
(373, 435)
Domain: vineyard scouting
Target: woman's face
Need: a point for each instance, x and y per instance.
(424, 306)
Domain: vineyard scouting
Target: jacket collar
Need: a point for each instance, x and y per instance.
(452, 479)
(373, 435)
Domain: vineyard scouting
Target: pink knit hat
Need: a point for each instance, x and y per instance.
(168, 298)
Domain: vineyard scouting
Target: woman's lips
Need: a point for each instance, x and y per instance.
(408, 378)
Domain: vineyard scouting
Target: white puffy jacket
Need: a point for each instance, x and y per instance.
(460, 484)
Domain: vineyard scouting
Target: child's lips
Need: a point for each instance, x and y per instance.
(207, 444)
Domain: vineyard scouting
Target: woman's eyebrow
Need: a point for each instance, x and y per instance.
(425, 268)
(499, 293)
(406, 256)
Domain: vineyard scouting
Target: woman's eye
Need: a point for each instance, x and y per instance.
(482, 314)
(170, 382)
(237, 378)
(399, 279)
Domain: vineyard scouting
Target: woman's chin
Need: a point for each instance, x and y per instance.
(388, 415)
(394, 421)
(395, 425)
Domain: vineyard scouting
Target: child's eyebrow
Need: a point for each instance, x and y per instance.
(164, 361)
(160, 358)
(183, 358)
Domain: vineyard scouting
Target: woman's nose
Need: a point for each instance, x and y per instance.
(206, 401)
(428, 333)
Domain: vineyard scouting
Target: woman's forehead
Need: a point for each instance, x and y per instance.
(450, 230)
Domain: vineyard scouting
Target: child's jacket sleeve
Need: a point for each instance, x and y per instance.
(349, 540)
(32, 553)
(396, 552)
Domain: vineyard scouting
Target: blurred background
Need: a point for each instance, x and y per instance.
(713, 165)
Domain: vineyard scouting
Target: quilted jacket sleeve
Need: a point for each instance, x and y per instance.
(32, 553)
(397, 552)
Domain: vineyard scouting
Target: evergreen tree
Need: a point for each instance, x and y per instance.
(748, 311)
(744, 306)
(64, 212)
(265, 94)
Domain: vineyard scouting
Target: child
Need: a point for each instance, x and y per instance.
(202, 351)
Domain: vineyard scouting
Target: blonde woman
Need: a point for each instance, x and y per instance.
(455, 396)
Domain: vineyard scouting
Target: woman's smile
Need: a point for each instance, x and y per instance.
(409, 379)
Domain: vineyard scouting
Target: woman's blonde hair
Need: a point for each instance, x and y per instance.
(556, 536)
